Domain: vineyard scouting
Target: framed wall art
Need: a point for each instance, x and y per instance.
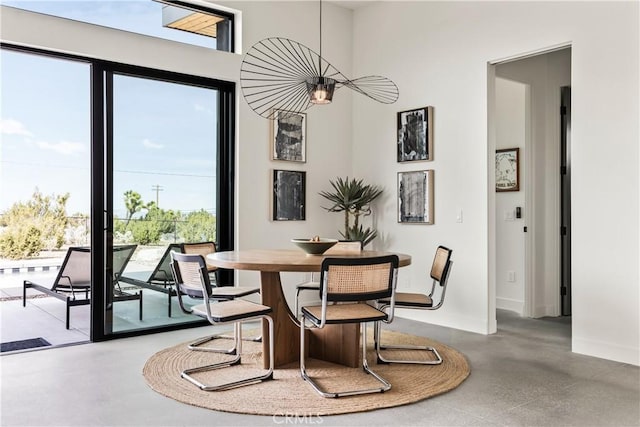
(508, 169)
(415, 135)
(288, 136)
(415, 197)
(288, 196)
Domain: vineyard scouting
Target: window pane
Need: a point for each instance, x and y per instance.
(164, 180)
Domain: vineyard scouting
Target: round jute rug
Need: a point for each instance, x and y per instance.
(289, 394)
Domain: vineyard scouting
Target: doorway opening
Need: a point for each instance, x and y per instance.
(531, 255)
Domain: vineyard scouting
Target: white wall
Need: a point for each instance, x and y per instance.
(511, 132)
(437, 53)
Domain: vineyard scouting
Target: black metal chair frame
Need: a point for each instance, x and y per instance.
(341, 300)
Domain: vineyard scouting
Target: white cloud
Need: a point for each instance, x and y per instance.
(63, 147)
(202, 108)
(149, 144)
(13, 127)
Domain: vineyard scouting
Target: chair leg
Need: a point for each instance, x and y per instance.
(295, 304)
(140, 304)
(186, 374)
(169, 303)
(24, 293)
(381, 359)
(196, 345)
(365, 366)
(67, 314)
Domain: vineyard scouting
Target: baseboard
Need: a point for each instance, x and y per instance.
(463, 323)
(511, 305)
(606, 350)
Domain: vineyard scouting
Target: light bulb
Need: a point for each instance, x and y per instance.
(320, 96)
(320, 90)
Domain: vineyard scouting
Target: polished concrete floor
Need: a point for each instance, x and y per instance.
(524, 375)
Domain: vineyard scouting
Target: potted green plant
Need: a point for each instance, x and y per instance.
(354, 198)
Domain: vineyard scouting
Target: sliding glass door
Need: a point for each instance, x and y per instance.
(164, 143)
(127, 162)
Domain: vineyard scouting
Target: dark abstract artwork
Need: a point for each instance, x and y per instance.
(288, 195)
(415, 136)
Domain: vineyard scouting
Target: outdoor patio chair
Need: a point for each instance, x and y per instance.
(190, 272)
(440, 270)
(160, 279)
(121, 256)
(73, 282)
(346, 287)
(218, 293)
(341, 248)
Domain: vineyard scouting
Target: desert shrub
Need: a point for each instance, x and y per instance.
(21, 242)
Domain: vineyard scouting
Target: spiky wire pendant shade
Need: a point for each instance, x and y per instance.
(282, 74)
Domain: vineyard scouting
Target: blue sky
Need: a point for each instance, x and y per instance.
(164, 133)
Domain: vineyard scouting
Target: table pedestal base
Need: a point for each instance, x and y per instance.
(333, 343)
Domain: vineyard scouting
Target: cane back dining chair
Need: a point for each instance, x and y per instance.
(343, 247)
(217, 293)
(190, 271)
(350, 283)
(204, 249)
(440, 270)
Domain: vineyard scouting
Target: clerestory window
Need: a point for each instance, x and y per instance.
(193, 22)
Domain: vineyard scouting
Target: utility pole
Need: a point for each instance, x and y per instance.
(157, 189)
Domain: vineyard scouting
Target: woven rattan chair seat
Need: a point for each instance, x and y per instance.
(221, 292)
(309, 286)
(409, 300)
(341, 313)
(227, 311)
(230, 292)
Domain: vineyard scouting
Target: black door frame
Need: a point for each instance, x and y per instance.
(103, 198)
(565, 200)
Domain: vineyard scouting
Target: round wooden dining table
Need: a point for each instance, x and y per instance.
(334, 343)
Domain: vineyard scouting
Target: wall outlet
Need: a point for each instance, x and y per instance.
(459, 216)
(508, 215)
(511, 276)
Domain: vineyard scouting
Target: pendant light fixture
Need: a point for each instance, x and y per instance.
(279, 74)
